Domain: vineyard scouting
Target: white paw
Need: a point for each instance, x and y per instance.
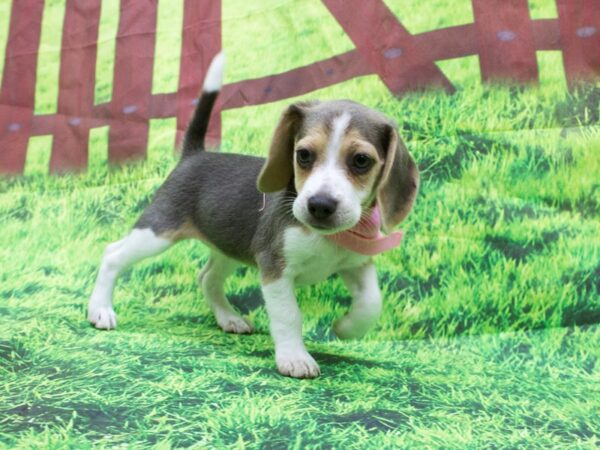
(234, 324)
(345, 328)
(297, 364)
(102, 317)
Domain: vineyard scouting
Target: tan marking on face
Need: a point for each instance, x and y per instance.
(187, 230)
(354, 142)
(316, 141)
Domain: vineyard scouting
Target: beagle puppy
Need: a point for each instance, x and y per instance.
(336, 174)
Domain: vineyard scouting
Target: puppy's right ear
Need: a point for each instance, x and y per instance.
(279, 166)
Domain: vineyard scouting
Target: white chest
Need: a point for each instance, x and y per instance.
(311, 258)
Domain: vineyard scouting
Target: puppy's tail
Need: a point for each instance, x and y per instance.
(196, 131)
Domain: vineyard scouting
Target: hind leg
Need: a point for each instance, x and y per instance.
(212, 278)
(139, 244)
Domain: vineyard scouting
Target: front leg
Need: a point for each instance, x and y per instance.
(366, 302)
(286, 329)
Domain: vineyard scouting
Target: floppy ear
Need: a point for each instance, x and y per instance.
(279, 166)
(399, 181)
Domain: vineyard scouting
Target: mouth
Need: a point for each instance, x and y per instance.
(334, 223)
(322, 228)
(325, 229)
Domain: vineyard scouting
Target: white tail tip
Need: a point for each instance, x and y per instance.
(214, 75)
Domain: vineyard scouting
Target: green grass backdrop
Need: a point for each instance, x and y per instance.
(489, 335)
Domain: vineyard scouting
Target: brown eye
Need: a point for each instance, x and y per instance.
(304, 158)
(361, 163)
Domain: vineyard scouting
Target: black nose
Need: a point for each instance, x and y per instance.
(321, 206)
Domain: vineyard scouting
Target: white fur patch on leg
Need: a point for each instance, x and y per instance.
(366, 303)
(139, 244)
(286, 329)
(212, 278)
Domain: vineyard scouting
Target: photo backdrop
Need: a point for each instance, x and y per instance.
(489, 334)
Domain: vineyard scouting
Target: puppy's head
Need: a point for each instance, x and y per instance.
(342, 157)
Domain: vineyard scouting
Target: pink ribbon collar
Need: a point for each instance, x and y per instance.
(366, 238)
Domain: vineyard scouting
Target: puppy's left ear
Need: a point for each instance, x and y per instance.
(279, 166)
(399, 181)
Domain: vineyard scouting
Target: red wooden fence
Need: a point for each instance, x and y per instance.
(503, 35)
(18, 83)
(76, 86)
